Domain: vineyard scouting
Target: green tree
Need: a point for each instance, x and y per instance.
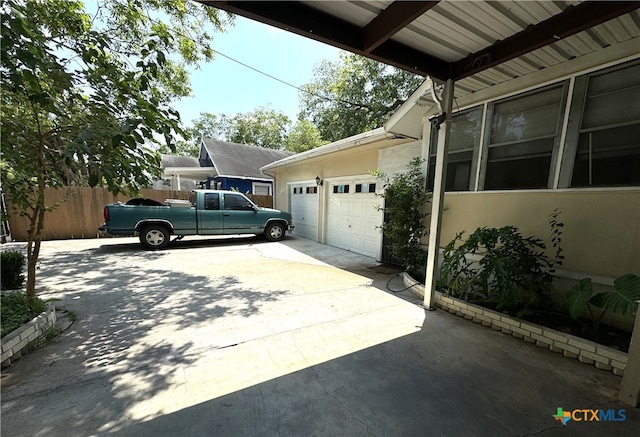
(303, 136)
(207, 125)
(263, 127)
(354, 95)
(84, 97)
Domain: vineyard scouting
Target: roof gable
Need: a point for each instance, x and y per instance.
(240, 160)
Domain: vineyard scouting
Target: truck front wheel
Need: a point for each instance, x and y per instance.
(274, 231)
(154, 237)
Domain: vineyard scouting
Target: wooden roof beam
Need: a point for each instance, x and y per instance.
(391, 20)
(573, 20)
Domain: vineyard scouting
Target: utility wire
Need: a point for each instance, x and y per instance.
(328, 99)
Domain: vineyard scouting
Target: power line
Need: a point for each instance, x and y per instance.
(329, 99)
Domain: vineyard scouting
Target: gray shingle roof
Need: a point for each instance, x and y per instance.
(179, 161)
(232, 159)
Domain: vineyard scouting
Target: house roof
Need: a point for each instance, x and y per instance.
(376, 135)
(240, 160)
(478, 44)
(172, 161)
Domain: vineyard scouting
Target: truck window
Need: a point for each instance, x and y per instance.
(212, 201)
(237, 202)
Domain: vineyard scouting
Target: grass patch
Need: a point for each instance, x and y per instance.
(15, 311)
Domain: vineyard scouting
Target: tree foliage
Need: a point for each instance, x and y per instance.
(303, 136)
(263, 127)
(354, 95)
(84, 96)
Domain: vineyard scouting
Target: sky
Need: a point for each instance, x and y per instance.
(226, 87)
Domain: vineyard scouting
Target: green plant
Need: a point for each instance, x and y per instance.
(15, 310)
(556, 239)
(622, 300)
(404, 201)
(513, 272)
(12, 263)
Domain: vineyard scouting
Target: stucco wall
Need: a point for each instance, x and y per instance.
(394, 160)
(351, 162)
(601, 228)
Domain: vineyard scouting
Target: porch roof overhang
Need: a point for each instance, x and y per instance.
(467, 46)
(190, 172)
(477, 44)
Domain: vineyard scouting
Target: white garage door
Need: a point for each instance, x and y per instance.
(352, 216)
(304, 207)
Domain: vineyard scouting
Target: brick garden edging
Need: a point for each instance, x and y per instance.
(570, 346)
(15, 342)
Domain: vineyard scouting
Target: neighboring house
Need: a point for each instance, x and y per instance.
(222, 166)
(238, 166)
(566, 137)
(183, 173)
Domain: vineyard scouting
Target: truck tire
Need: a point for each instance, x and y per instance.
(154, 237)
(274, 231)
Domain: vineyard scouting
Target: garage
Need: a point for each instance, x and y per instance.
(352, 216)
(304, 207)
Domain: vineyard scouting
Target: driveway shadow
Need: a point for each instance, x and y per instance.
(131, 333)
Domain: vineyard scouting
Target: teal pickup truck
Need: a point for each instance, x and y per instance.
(208, 212)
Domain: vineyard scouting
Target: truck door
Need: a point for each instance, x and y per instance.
(239, 215)
(210, 220)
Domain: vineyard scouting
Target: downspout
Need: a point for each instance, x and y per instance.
(442, 122)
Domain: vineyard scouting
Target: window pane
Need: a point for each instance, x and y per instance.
(608, 157)
(532, 116)
(458, 171)
(465, 130)
(613, 98)
(236, 202)
(212, 201)
(261, 190)
(519, 173)
(608, 151)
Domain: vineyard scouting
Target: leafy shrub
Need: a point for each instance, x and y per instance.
(513, 272)
(403, 227)
(15, 310)
(623, 300)
(12, 265)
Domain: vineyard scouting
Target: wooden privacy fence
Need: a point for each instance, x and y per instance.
(80, 215)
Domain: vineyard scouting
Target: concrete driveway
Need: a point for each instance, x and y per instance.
(250, 338)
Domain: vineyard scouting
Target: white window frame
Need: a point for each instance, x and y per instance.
(254, 185)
